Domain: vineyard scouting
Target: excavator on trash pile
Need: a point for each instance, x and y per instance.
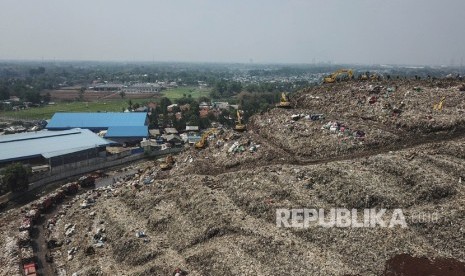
(239, 125)
(341, 74)
(203, 141)
(284, 102)
(367, 76)
(168, 163)
(439, 105)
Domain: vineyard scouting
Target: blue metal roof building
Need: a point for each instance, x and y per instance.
(96, 121)
(127, 131)
(49, 144)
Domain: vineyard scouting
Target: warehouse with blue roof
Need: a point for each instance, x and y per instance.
(122, 127)
(51, 147)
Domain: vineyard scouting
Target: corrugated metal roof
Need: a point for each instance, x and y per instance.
(154, 132)
(171, 137)
(192, 128)
(171, 130)
(47, 143)
(35, 135)
(96, 120)
(127, 131)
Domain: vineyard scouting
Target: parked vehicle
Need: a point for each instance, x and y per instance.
(30, 269)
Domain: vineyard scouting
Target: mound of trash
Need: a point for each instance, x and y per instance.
(343, 118)
(276, 199)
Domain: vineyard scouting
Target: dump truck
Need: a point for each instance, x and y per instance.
(70, 188)
(33, 214)
(43, 204)
(30, 269)
(86, 181)
(26, 224)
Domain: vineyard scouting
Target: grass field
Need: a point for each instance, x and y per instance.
(46, 112)
(107, 105)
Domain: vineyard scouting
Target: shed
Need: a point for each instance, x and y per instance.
(96, 121)
(171, 130)
(35, 147)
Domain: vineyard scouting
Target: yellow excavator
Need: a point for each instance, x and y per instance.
(203, 141)
(168, 163)
(334, 76)
(239, 125)
(366, 76)
(284, 103)
(439, 105)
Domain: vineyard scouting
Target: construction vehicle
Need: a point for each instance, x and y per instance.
(367, 76)
(86, 181)
(33, 215)
(348, 73)
(70, 188)
(43, 204)
(439, 105)
(30, 269)
(284, 102)
(26, 224)
(239, 125)
(168, 163)
(203, 140)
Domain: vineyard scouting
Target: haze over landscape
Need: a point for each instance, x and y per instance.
(295, 31)
(215, 137)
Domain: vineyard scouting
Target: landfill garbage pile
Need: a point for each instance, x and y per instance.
(229, 150)
(215, 211)
(226, 224)
(345, 118)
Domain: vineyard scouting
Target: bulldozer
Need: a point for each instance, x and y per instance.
(203, 141)
(168, 163)
(284, 102)
(439, 105)
(341, 72)
(367, 76)
(239, 125)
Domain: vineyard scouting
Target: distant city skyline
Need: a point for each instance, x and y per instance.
(410, 32)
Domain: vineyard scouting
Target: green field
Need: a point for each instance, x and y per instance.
(110, 105)
(46, 112)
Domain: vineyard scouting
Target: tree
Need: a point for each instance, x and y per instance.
(122, 94)
(153, 120)
(204, 99)
(32, 96)
(16, 177)
(4, 93)
(81, 94)
(164, 103)
(193, 120)
(47, 97)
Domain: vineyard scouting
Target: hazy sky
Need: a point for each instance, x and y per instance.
(262, 31)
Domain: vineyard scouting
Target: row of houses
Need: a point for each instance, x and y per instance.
(133, 87)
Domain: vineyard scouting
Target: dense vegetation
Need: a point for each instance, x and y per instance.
(15, 178)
